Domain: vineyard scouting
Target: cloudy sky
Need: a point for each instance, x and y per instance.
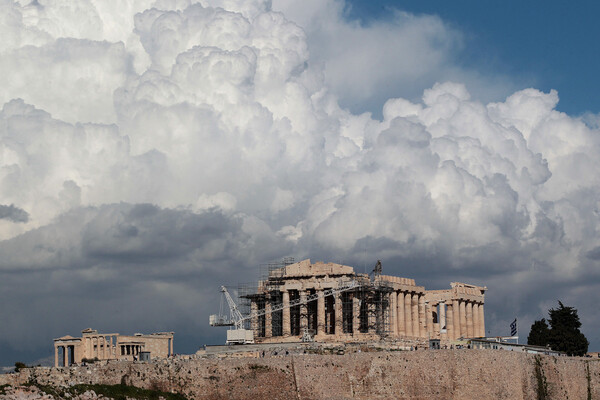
(152, 150)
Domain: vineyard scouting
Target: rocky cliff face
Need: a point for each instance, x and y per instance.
(442, 374)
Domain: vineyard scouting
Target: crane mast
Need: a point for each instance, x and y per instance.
(235, 313)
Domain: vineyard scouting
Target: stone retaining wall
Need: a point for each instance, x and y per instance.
(425, 374)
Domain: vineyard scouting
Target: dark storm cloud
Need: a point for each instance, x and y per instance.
(13, 213)
(122, 267)
(144, 232)
(594, 254)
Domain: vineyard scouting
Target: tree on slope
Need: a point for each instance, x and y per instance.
(539, 335)
(564, 331)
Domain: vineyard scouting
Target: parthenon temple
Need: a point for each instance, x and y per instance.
(377, 307)
(92, 345)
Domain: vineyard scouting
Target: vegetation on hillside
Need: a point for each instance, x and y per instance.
(116, 392)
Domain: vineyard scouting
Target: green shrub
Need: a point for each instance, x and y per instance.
(19, 365)
(123, 392)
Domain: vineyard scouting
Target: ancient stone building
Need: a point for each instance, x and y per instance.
(331, 302)
(69, 350)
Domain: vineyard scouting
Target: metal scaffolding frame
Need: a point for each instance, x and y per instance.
(373, 313)
(374, 308)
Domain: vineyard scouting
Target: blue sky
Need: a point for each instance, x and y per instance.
(541, 44)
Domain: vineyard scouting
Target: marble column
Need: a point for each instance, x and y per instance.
(429, 317)
(303, 312)
(254, 323)
(450, 321)
(456, 318)
(443, 323)
(171, 346)
(400, 316)
(372, 316)
(55, 355)
(476, 327)
(320, 314)
(463, 319)
(355, 314)
(285, 320)
(422, 320)
(415, 315)
(394, 314)
(469, 308)
(339, 318)
(268, 319)
(65, 356)
(482, 320)
(408, 314)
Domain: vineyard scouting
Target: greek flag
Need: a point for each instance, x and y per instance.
(513, 328)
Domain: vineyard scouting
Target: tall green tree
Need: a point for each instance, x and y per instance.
(564, 331)
(539, 335)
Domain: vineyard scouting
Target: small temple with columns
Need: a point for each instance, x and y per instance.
(378, 307)
(92, 345)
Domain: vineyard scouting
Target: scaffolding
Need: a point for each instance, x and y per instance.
(362, 302)
(365, 307)
(254, 297)
(372, 308)
(245, 293)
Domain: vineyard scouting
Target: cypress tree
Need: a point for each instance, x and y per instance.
(539, 335)
(564, 331)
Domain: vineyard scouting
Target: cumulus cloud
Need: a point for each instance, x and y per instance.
(401, 53)
(163, 148)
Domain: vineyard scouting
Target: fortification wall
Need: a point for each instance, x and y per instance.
(442, 374)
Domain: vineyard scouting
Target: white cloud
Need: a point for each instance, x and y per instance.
(365, 63)
(59, 77)
(222, 200)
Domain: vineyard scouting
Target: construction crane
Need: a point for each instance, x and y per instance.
(235, 316)
(239, 335)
